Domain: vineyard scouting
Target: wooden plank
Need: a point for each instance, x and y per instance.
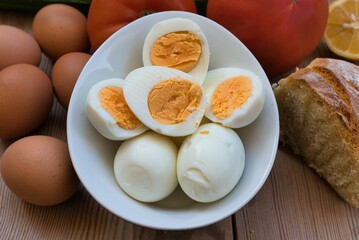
(295, 203)
(81, 217)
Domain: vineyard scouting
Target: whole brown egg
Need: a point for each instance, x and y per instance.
(17, 46)
(38, 169)
(26, 99)
(65, 73)
(60, 29)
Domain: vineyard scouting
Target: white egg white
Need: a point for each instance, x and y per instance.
(175, 25)
(138, 85)
(249, 111)
(101, 119)
(210, 162)
(145, 167)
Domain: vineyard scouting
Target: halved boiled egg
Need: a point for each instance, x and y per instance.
(166, 100)
(109, 113)
(177, 43)
(235, 96)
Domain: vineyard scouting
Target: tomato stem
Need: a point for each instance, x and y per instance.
(146, 12)
(294, 2)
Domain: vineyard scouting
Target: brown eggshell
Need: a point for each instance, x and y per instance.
(26, 99)
(65, 73)
(17, 46)
(60, 29)
(38, 169)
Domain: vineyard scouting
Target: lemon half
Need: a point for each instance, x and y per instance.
(342, 30)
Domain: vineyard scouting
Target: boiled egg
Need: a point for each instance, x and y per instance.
(177, 43)
(235, 96)
(109, 113)
(145, 167)
(166, 100)
(210, 162)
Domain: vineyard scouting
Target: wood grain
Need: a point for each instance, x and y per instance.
(294, 203)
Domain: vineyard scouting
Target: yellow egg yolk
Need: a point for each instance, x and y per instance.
(173, 100)
(180, 50)
(230, 95)
(113, 101)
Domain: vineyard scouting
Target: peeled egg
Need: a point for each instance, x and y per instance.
(145, 167)
(178, 43)
(235, 96)
(210, 162)
(166, 100)
(109, 113)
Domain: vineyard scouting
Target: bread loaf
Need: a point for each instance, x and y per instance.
(319, 119)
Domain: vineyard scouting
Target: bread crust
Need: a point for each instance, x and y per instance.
(319, 115)
(343, 77)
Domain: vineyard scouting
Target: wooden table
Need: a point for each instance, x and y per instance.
(294, 203)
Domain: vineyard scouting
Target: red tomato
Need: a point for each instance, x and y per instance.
(279, 33)
(107, 16)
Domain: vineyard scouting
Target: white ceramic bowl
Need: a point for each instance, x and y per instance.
(92, 155)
